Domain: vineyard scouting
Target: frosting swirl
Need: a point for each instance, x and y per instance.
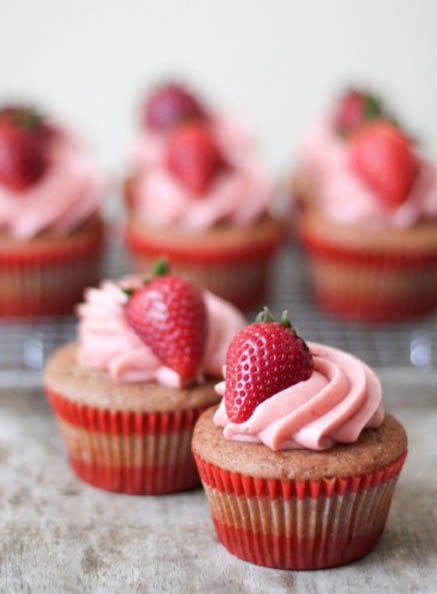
(239, 195)
(64, 198)
(107, 341)
(341, 398)
(344, 198)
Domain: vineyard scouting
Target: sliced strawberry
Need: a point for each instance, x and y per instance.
(170, 105)
(383, 158)
(263, 359)
(169, 315)
(194, 158)
(354, 108)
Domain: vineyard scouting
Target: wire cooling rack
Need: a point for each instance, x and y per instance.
(24, 346)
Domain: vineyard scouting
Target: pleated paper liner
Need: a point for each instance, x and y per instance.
(128, 452)
(299, 524)
(377, 285)
(40, 277)
(238, 272)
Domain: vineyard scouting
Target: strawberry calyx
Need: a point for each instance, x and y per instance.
(265, 315)
(355, 108)
(160, 268)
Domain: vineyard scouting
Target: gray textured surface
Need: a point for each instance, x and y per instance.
(59, 535)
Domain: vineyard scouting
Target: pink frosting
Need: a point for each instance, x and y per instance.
(346, 199)
(341, 398)
(107, 341)
(239, 195)
(66, 196)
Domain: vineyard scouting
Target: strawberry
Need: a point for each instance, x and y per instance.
(382, 157)
(170, 105)
(193, 157)
(169, 315)
(263, 359)
(354, 108)
(22, 147)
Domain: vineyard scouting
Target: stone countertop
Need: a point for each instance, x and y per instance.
(59, 535)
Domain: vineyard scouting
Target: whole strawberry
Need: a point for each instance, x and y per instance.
(169, 315)
(194, 158)
(381, 155)
(170, 105)
(354, 108)
(263, 359)
(23, 159)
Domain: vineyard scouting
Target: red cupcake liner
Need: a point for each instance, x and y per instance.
(389, 258)
(370, 285)
(128, 452)
(374, 308)
(237, 272)
(48, 278)
(299, 524)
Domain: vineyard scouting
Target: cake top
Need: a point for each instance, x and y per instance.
(367, 169)
(286, 394)
(194, 168)
(158, 329)
(47, 182)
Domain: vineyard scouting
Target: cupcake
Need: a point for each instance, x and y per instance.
(299, 462)
(128, 392)
(50, 229)
(198, 195)
(367, 201)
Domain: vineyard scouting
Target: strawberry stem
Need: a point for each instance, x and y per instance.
(284, 321)
(27, 118)
(265, 315)
(129, 291)
(160, 268)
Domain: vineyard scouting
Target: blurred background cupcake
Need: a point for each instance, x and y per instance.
(198, 195)
(50, 230)
(367, 202)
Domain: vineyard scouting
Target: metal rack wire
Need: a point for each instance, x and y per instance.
(24, 346)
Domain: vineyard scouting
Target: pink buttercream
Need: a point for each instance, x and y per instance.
(345, 198)
(107, 341)
(66, 196)
(341, 398)
(240, 194)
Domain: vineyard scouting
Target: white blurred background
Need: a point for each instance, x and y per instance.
(277, 62)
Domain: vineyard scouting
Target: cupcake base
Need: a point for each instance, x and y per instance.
(233, 263)
(47, 275)
(129, 438)
(299, 523)
(378, 276)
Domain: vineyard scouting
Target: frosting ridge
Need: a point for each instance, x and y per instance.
(341, 398)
